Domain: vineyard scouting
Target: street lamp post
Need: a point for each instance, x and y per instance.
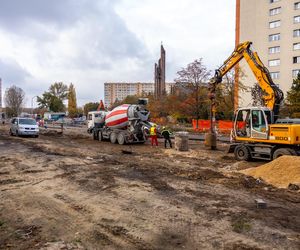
(32, 103)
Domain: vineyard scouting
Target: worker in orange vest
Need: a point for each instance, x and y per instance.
(153, 135)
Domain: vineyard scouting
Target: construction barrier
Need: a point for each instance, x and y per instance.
(221, 126)
(224, 126)
(203, 125)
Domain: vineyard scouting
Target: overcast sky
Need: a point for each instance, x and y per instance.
(89, 42)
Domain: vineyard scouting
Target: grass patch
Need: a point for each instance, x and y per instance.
(241, 224)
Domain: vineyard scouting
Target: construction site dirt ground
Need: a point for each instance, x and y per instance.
(71, 192)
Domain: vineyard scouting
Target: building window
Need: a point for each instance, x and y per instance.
(296, 19)
(297, 6)
(274, 37)
(274, 75)
(273, 63)
(296, 46)
(296, 59)
(275, 11)
(273, 50)
(274, 1)
(295, 72)
(274, 24)
(296, 33)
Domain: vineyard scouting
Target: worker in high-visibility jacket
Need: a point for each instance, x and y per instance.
(166, 134)
(153, 135)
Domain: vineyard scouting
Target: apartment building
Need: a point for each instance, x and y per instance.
(274, 28)
(119, 91)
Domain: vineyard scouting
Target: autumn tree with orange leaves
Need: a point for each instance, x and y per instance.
(192, 82)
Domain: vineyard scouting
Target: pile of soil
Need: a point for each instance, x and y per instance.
(279, 172)
(50, 132)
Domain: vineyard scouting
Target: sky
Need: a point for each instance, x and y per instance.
(89, 42)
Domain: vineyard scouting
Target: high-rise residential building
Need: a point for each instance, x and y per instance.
(119, 91)
(274, 28)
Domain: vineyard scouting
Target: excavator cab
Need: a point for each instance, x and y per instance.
(252, 123)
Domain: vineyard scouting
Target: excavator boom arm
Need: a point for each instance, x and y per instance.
(272, 95)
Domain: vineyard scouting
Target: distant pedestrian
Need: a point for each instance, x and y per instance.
(153, 135)
(166, 134)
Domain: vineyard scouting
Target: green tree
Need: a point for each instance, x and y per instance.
(72, 102)
(91, 106)
(14, 100)
(54, 97)
(293, 98)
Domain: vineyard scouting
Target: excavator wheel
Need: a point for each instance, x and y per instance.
(121, 139)
(283, 151)
(113, 137)
(242, 153)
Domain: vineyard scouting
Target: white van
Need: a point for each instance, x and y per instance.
(24, 126)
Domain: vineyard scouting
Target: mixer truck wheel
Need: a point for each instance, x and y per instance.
(121, 138)
(100, 136)
(113, 137)
(95, 135)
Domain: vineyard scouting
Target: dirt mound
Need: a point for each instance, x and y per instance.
(49, 132)
(279, 172)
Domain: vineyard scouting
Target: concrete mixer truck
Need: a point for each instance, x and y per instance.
(127, 123)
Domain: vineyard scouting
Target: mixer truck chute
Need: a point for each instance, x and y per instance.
(126, 123)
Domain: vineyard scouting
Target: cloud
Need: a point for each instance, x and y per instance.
(91, 42)
(12, 72)
(84, 42)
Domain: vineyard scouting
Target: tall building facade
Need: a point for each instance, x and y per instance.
(119, 91)
(274, 28)
(160, 74)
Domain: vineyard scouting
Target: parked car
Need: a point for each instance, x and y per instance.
(24, 126)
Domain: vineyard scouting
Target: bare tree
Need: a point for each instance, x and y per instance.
(194, 79)
(226, 93)
(257, 95)
(14, 100)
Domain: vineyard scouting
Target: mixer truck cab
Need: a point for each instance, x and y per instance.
(95, 119)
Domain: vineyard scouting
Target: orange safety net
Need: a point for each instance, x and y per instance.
(203, 125)
(222, 126)
(225, 125)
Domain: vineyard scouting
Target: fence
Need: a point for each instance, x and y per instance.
(221, 126)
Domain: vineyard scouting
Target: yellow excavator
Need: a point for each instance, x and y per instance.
(257, 132)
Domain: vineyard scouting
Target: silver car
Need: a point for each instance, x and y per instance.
(24, 126)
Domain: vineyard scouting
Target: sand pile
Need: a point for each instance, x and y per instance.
(280, 172)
